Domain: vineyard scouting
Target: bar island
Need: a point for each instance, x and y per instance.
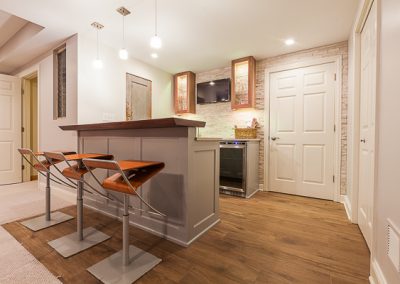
(186, 190)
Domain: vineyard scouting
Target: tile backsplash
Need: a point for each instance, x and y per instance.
(220, 119)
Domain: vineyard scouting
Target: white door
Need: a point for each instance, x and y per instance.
(302, 104)
(10, 129)
(367, 125)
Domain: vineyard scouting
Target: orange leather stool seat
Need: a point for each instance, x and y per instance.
(76, 171)
(138, 173)
(39, 162)
(129, 177)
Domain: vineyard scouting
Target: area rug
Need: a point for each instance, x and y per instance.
(17, 265)
(23, 200)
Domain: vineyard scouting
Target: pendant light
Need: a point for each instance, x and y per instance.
(97, 63)
(123, 53)
(155, 41)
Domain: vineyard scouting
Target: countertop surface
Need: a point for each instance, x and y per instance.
(138, 124)
(226, 139)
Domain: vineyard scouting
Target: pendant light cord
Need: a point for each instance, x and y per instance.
(155, 16)
(123, 31)
(97, 33)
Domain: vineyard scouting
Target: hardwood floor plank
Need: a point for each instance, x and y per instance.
(270, 238)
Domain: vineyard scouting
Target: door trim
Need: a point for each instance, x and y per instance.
(354, 113)
(337, 60)
(26, 118)
(33, 71)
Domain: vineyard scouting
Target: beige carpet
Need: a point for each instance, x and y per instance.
(17, 265)
(22, 200)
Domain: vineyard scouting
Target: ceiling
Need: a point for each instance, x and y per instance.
(197, 35)
(15, 37)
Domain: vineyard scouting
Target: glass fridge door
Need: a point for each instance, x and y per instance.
(232, 168)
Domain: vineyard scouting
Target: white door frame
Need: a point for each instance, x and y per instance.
(355, 112)
(26, 118)
(337, 60)
(33, 70)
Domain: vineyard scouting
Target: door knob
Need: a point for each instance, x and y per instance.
(362, 140)
(274, 138)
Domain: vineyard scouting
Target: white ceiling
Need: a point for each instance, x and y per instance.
(197, 35)
(15, 37)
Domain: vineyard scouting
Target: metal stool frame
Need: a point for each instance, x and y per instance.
(38, 223)
(114, 267)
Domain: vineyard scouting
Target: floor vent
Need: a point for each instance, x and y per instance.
(393, 249)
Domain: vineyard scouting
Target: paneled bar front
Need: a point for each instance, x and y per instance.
(186, 190)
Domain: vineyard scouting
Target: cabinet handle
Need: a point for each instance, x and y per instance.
(274, 138)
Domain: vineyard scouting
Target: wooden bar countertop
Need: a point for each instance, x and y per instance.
(138, 124)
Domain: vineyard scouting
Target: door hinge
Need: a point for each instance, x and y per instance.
(22, 92)
(334, 128)
(22, 129)
(333, 179)
(23, 167)
(334, 77)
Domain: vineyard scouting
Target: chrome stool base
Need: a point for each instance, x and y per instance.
(41, 222)
(112, 270)
(70, 245)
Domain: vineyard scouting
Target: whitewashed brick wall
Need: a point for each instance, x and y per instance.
(221, 119)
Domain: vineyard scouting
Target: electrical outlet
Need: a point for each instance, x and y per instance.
(107, 116)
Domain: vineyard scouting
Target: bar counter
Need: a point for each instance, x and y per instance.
(186, 190)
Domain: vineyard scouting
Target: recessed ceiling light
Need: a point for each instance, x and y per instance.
(154, 55)
(289, 41)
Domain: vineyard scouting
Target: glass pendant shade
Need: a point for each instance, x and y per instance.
(155, 42)
(97, 63)
(123, 54)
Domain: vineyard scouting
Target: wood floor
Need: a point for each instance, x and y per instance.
(271, 238)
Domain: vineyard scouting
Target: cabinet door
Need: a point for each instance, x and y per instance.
(184, 92)
(243, 82)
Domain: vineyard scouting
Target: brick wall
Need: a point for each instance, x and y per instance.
(221, 119)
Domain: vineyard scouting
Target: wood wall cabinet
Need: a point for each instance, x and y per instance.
(243, 82)
(184, 92)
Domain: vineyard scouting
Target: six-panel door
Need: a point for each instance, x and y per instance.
(10, 129)
(302, 131)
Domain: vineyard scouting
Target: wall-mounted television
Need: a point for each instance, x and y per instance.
(214, 91)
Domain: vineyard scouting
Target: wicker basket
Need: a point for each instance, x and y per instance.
(245, 133)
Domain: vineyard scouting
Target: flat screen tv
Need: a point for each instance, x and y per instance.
(214, 91)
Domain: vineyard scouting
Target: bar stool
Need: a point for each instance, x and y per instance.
(129, 264)
(43, 167)
(82, 239)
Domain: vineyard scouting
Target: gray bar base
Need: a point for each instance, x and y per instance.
(111, 270)
(70, 245)
(40, 223)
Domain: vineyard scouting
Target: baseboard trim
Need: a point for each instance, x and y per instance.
(253, 193)
(201, 233)
(131, 222)
(347, 205)
(377, 276)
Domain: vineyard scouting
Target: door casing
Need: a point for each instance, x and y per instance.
(355, 112)
(337, 60)
(26, 119)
